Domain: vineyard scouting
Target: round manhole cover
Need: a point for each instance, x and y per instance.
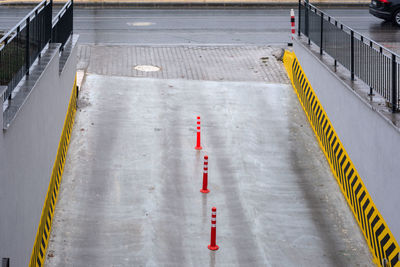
(140, 23)
(146, 68)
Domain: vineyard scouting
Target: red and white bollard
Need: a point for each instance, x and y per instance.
(213, 244)
(198, 145)
(292, 25)
(205, 176)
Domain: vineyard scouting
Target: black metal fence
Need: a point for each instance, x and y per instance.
(22, 45)
(63, 25)
(372, 63)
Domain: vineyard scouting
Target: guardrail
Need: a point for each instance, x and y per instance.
(372, 63)
(5, 262)
(63, 25)
(22, 45)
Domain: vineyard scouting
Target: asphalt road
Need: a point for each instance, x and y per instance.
(201, 26)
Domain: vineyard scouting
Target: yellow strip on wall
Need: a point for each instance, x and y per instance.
(384, 248)
(43, 232)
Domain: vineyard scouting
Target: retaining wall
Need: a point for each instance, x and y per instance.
(28, 149)
(371, 141)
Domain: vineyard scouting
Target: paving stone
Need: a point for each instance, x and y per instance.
(214, 63)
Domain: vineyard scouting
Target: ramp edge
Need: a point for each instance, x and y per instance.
(43, 233)
(384, 248)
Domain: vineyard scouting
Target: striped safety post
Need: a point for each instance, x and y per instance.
(205, 176)
(292, 25)
(198, 145)
(213, 245)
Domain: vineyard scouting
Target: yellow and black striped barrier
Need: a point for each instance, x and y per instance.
(43, 232)
(381, 242)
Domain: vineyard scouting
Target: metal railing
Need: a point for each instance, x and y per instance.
(22, 45)
(375, 65)
(63, 25)
(5, 262)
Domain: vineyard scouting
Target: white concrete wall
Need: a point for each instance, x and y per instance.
(372, 143)
(27, 152)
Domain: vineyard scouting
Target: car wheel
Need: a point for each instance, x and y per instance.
(396, 17)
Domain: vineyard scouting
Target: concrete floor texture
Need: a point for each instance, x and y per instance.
(130, 190)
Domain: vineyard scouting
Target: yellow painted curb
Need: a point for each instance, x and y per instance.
(44, 229)
(384, 248)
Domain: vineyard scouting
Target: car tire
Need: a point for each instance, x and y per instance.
(396, 17)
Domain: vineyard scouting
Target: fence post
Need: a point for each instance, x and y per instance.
(27, 54)
(299, 27)
(72, 16)
(1, 76)
(50, 18)
(352, 55)
(307, 19)
(371, 92)
(394, 83)
(322, 33)
(38, 34)
(5, 262)
(18, 36)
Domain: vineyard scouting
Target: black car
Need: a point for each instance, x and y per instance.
(386, 9)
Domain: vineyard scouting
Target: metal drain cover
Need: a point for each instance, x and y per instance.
(147, 68)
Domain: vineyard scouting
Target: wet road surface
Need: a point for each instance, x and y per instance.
(130, 190)
(202, 26)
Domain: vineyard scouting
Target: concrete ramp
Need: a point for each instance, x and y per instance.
(130, 191)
